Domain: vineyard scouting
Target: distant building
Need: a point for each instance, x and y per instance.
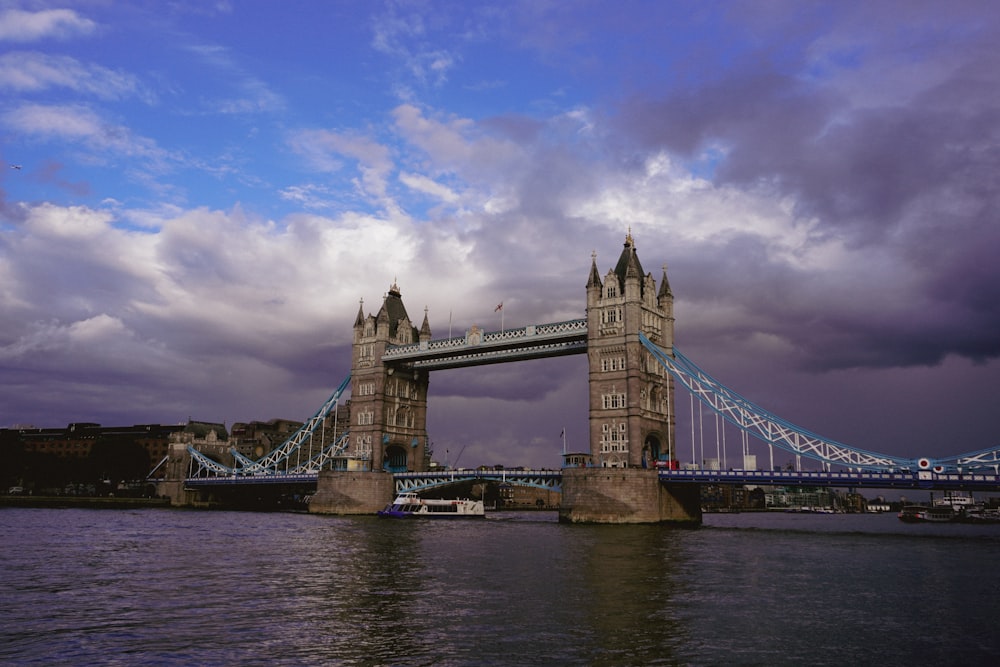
(77, 440)
(50, 458)
(256, 438)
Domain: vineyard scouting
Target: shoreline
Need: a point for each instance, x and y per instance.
(97, 502)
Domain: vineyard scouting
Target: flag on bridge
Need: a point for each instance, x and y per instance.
(499, 307)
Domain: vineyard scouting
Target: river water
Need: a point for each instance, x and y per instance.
(165, 587)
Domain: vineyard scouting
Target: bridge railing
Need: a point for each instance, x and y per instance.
(921, 479)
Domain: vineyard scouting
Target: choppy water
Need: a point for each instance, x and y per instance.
(104, 587)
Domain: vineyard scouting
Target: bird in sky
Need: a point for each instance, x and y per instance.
(16, 166)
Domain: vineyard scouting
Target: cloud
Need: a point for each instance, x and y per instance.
(155, 306)
(50, 172)
(85, 126)
(428, 187)
(252, 95)
(326, 149)
(403, 35)
(873, 256)
(311, 196)
(31, 72)
(97, 332)
(483, 166)
(17, 25)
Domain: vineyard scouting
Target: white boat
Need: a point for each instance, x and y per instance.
(955, 500)
(925, 514)
(954, 507)
(411, 505)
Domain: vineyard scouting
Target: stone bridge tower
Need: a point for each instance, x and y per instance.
(631, 395)
(388, 403)
(631, 405)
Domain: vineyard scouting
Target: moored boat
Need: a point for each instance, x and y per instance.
(954, 507)
(411, 505)
(982, 515)
(924, 514)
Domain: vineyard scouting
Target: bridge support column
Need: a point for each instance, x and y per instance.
(174, 489)
(339, 492)
(626, 495)
(172, 484)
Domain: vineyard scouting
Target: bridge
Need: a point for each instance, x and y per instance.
(552, 479)
(634, 370)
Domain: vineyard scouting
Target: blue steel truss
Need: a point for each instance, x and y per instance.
(420, 481)
(921, 479)
(557, 339)
(926, 480)
(280, 460)
(787, 436)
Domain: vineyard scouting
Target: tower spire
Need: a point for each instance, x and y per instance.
(595, 278)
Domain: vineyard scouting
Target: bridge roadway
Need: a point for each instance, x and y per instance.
(552, 479)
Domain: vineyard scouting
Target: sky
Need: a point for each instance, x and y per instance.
(195, 197)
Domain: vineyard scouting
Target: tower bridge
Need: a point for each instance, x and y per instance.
(631, 472)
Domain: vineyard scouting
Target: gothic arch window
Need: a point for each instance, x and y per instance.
(615, 461)
(394, 459)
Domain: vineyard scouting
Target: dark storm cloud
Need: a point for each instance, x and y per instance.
(906, 174)
(523, 381)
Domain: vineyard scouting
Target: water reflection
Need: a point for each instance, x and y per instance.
(628, 571)
(217, 588)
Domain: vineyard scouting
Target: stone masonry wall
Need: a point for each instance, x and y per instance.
(340, 492)
(625, 495)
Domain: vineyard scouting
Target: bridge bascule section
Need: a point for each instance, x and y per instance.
(632, 471)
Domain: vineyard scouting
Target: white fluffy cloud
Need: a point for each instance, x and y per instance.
(17, 25)
(27, 71)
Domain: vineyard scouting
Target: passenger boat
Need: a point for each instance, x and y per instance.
(982, 515)
(954, 507)
(924, 514)
(411, 505)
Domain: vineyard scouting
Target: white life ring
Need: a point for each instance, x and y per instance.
(924, 463)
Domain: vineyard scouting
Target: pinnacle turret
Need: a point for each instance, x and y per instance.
(360, 319)
(629, 265)
(664, 285)
(594, 280)
(425, 328)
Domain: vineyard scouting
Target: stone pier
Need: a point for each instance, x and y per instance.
(340, 492)
(626, 495)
